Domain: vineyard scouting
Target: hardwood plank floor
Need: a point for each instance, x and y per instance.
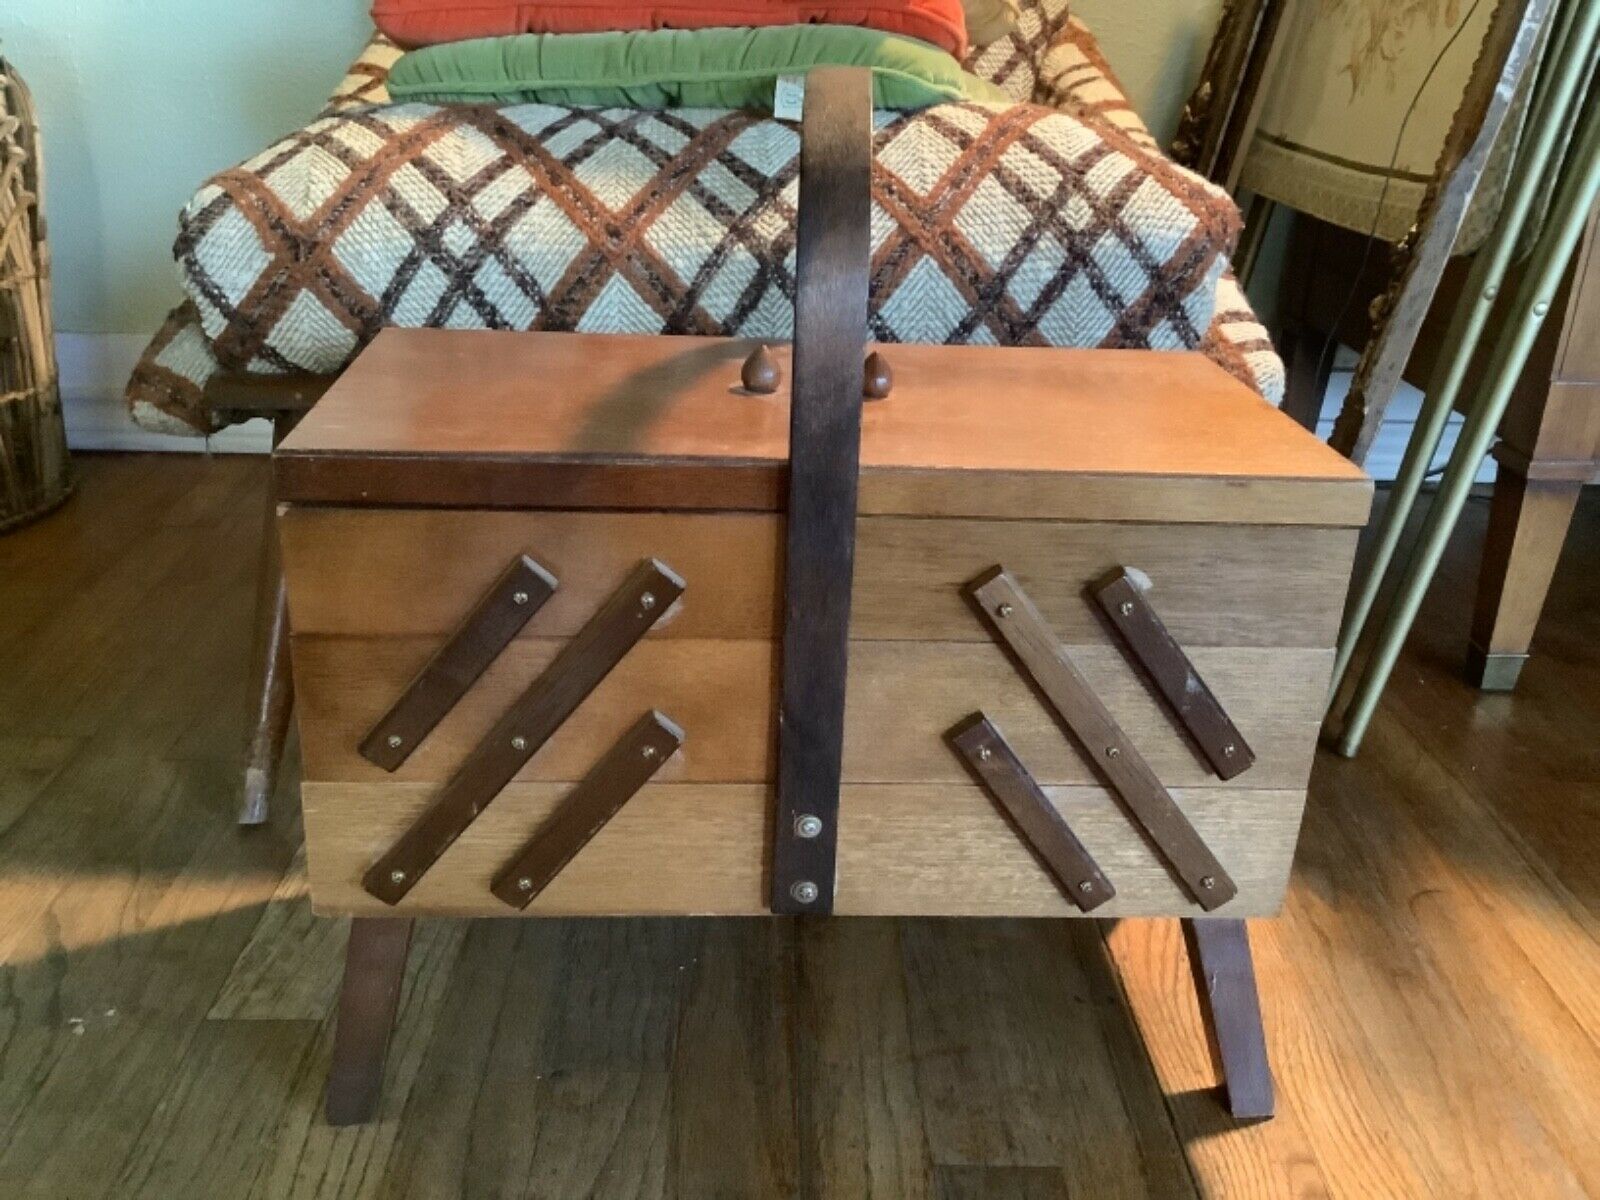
(1432, 991)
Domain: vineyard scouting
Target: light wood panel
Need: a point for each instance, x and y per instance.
(934, 850)
(419, 571)
(577, 421)
(902, 698)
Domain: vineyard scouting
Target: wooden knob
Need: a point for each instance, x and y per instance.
(878, 379)
(761, 373)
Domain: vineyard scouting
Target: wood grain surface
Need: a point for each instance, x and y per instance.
(928, 849)
(651, 422)
(377, 572)
(722, 693)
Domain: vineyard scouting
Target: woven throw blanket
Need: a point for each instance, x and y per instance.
(1010, 225)
(166, 393)
(1052, 223)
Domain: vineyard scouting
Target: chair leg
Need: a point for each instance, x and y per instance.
(374, 969)
(1225, 978)
(1258, 219)
(1308, 368)
(1527, 526)
(272, 694)
(272, 682)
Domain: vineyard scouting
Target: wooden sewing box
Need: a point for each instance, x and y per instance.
(583, 625)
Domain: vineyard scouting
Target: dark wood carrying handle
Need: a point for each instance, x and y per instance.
(830, 336)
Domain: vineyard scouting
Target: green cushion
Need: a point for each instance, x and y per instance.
(679, 68)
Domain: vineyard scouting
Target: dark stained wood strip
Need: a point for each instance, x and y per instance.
(627, 767)
(1013, 616)
(1038, 822)
(588, 658)
(374, 969)
(1145, 634)
(1225, 978)
(824, 464)
(756, 484)
(498, 617)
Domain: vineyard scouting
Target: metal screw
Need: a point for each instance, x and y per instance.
(985, 754)
(1005, 610)
(1113, 752)
(1086, 886)
(524, 885)
(1126, 608)
(647, 601)
(397, 876)
(650, 752)
(396, 741)
(1489, 293)
(519, 743)
(808, 827)
(1228, 750)
(805, 891)
(1208, 882)
(520, 597)
(1541, 308)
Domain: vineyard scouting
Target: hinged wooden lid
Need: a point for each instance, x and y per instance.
(434, 418)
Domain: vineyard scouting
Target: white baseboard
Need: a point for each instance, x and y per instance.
(94, 372)
(95, 369)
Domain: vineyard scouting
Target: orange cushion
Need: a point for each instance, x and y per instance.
(428, 22)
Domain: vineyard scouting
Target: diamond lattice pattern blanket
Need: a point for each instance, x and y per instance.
(1053, 221)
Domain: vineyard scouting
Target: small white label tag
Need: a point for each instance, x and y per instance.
(789, 97)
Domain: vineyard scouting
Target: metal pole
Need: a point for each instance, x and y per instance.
(1564, 79)
(1580, 184)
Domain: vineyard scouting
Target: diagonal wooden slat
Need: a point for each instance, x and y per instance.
(1021, 626)
(588, 658)
(499, 616)
(628, 766)
(1191, 700)
(1037, 821)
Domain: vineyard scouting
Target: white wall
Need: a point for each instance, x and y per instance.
(1156, 48)
(141, 100)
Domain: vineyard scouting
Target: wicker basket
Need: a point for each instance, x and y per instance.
(35, 474)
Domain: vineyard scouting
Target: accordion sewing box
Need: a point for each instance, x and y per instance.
(449, 475)
(548, 595)
(589, 626)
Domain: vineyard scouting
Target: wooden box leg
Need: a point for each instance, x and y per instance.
(1225, 977)
(271, 682)
(374, 968)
